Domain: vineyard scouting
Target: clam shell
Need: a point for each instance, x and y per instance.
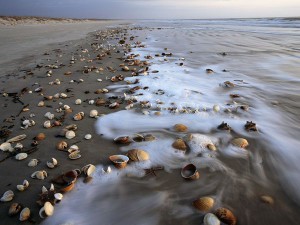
(78, 101)
(226, 216)
(33, 162)
(93, 113)
(14, 209)
(240, 142)
(204, 204)
(123, 140)
(6, 146)
(17, 138)
(137, 155)
(190, 172)
(211, 219)
(47, 210)
(21, 156)
(40, 174)
(40, 137)
(41, 104)
(62, 145)
(49, 115)
(180, 128)
(58, 196)
(267, 199)
(88, 136)
(70, 134)
(75, 155)
(52, 164)
(7, 196)
(25, 214)
(119, 161)
(47, 124)
(78, 116)
(179, 144)
(88, 169)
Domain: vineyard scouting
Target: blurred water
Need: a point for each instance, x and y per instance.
(263, 61)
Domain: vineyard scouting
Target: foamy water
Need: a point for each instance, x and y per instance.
(262, 60)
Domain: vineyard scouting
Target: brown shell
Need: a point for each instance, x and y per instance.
(212, 147)
(240, 142)
(180, 127)
(179, 144)
(267, 199)
(40, 137)
(123, 140)
(14, 209)
(100, 102)
(138, 155)
(62, 145)
(204, 204)
(226, 216)
(190, 172)
(119, 161)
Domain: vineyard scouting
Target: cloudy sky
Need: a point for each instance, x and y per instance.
(152, 9)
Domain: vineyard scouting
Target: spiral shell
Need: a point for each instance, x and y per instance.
(138, 155)
(226, 216)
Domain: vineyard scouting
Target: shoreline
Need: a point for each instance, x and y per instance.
(84, 87)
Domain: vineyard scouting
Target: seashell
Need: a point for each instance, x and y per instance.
(190, 172)
(114, 105)
(33, 162)
(137, 155)
(44, 190)
(14, 209)
(212, 147)
(63, 95)
(119, 161)
(204, 204)
(211, 219)
(46, 210)
(40, 137)
(41, 175)
(67, 188)
(93, 113)
(62, 145)
(123, 140)
(197, 143)
(47, 124)
(216, 108)
(75, 155)
(71, 127)
(179, 144)
(78, 101)
(100, 102)
(267, 199)
(21, 156)
(88, 136)
(58, 197)
(17, 138)
(91, 102)
(24, 186)
(49, 97)
(78, 116)
(108, 170)
(6, 146)
(73, 148)
(226, 216)
(52, 164)
(18, 147)
(7, 196)
(24, 214)
(180, 128)
(250, 126)
(49, 115)
(240, 142)
(88, 170)
(41, 104)
(70, 134)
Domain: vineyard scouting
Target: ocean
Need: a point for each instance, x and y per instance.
(206, 72)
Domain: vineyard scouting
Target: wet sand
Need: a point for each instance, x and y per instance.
(33, 75)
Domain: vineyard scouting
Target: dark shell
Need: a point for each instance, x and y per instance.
(226, 216)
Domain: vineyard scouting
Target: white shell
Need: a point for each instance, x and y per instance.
(70, 134)
(78, 101)
(6, 147)
(91, 102)
(56, 96)
(33, 162)
(67, 107)
(17, 138)
(41, 104)
(89, 169)
(58, 196)
(53, 163)
(21, 156)
(49, 115)
(47, 124)
(63, 95)
(93, 113)
(44, 190)
(7, 196)
(73, 148)
(41, 174)
(216, 108)
(47, 210)
(51, 187)
(211, 219)
(88, 136)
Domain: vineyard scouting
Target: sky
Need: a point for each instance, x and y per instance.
(152, 9)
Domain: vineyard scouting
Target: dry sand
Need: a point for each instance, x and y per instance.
(31, 73)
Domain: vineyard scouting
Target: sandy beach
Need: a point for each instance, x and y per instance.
(31, 58)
